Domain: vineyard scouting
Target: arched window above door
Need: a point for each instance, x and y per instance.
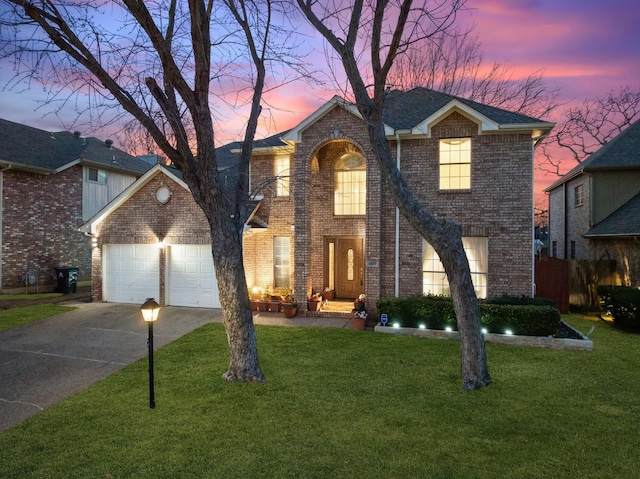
(350, 184)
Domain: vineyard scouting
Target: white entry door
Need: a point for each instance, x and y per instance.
(130, 273)
(191, 277)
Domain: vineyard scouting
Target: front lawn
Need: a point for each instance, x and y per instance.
(11, 318)
(346, 404)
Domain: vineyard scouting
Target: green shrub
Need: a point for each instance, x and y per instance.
(520, 300)
(623, 304)
(437, 312)
(527, 320)
(434, 312)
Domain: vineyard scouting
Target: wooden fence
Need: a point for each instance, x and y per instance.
(573, 281)
(552, 277)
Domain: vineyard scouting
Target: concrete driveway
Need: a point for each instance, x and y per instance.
(49, 360)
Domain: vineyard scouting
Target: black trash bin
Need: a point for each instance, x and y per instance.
(67, 279)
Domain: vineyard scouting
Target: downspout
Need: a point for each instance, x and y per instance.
(565, 226)
(533, 222)
(397, 258)
(2, 170)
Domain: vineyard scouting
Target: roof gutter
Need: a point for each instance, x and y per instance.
(22, 167)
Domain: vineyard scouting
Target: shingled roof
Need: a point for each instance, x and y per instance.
(623, 152)
(406, 109)
(625, 221)
(27, 148)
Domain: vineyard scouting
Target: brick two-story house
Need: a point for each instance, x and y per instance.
(324, 217)
(50, 184)
(594, 209)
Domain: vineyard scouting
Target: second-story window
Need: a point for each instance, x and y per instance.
(455, 164)
(97, 176)
(579, 194)
(350, 184)
(282, 173)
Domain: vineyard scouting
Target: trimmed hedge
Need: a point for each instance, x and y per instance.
(436, 312)
(623, 304)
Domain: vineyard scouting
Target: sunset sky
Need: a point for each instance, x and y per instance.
(585, 47)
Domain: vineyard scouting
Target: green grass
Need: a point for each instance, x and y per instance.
(10, 318)
(346, 404)
(4, 297)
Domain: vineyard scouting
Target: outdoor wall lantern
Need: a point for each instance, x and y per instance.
(150, 310)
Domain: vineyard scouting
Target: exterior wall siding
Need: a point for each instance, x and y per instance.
(277, 212)
(314, 202)
(41, 215)
(143, 220)
(95, 196)
(499, 206)
(493, 207)
(557, 222)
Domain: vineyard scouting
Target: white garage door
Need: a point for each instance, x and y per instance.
(130, 273)
(192, 279)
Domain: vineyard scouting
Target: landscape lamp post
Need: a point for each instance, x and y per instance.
(150, 310)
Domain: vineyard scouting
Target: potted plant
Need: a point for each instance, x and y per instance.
(254, 298)
(314, 302)
(289, 307)
(359, 315)
(263, 304)
(329, 294)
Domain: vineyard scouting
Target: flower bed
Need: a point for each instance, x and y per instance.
(582, 344)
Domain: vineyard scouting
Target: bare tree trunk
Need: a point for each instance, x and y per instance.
(388, 36)
(446, 238)
(236, 310)
(473, 364)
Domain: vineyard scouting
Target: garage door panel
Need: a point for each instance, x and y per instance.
(131, 273)
(191, 280)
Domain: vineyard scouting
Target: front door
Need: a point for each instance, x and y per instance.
(349, 267)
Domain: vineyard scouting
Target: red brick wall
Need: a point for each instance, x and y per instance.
(41, 215)
(143, 220)
(277, 212)
(498, 206)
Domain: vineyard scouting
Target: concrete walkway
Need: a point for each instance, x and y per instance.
(46, 361)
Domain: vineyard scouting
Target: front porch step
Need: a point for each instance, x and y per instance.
(334, 309)
(337, 306)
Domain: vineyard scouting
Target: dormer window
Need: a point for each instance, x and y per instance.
(96, 175)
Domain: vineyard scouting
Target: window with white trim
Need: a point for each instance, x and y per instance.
(434, 279)
(281, 261)
(350, 185)
(96, 175)
(579, 195)
(455, 164)
(281, 170)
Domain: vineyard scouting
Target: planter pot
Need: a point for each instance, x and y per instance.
(358, 323)
(274, 306)
(289, 310)
(314, 305)
(329, 295)
(262, 306)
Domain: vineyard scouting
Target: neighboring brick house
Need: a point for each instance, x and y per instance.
(325, 218)
(594, 209)
(50, 184)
